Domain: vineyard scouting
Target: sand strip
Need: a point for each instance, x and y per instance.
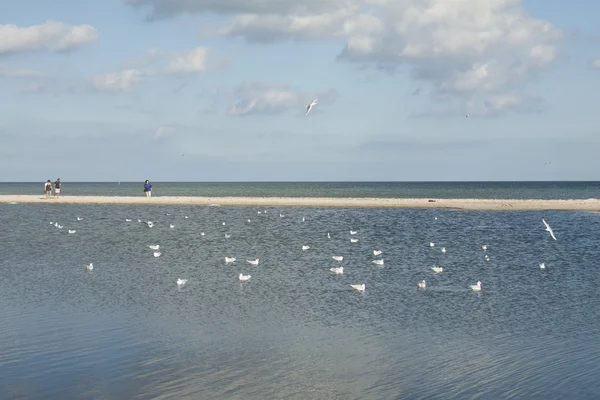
(466, 204)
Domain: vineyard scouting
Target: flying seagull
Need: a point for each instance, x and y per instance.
(549, 229)
(310, 106)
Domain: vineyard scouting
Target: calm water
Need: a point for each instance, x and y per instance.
(295, 330)
(480, 190)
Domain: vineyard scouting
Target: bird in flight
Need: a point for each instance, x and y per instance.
(549, 229)
(310, 106)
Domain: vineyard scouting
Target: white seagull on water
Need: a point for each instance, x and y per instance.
(245, 277)
(181, 282)
(310, 106)
(90, 267)
(549, 229)
(360, 288)
(337, 270)
(476, 287)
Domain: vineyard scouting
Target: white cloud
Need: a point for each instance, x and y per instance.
(270, 98)
(164, 131)
(51, 35)
(596, 63)
(191, 61)
(166, 8)
(497, 103)
(118, 81)
(253, 98)
(460, 48)
(21, 73)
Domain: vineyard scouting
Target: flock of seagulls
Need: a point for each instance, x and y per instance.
(338, 270)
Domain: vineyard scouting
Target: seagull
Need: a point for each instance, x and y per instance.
(328, 235)
(377, 252)
(338, 258)
(476, 287)
(171, 226)
(154, 246)
(223, 223)
(181, 282)
(127, 220)
(244, 278)
(249, 220)
(337, 270)
(90, 267)
(227, 236)
(378, 262)
(310, 106)
(305, 247)
(281, 215)
(253, 262)
(201, 233)
(157, 254)
(79, 218)
(72, 231)
(422, 284)
(486, 258)
(139, 220)
(443, 249)
(360, 288)
(542, 266)
(303, 219)
(149, 223)
(229, 260)
(59, 226)
(549, 229)
(484, 247)
(353, 232)
(353, 240)
(437, 270)
(431, 244)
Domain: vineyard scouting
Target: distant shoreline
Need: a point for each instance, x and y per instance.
(464, 204)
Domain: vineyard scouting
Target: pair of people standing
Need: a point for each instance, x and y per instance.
(148, 188)
(48, 188)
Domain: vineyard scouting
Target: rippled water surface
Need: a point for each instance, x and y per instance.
(296, 330)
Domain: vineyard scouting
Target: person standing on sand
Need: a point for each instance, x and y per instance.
(48, 188)
(57, 187)
(148, 188)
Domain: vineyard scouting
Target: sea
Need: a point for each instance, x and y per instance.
(295, 329)
(442, 190)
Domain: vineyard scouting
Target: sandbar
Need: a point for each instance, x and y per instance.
(461, 204)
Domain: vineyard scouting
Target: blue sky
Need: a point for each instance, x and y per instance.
(116, 90)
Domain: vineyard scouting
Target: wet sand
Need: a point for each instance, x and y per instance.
(465, 204)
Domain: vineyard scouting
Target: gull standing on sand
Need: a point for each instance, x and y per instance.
(549, 229)
(310, 106)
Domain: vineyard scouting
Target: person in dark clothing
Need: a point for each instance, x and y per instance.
(148, 188)
(57, 187)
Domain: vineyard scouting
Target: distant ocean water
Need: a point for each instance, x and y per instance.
(479, 190)
(295, 330)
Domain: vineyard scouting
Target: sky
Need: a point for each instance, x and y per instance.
(115, 90)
